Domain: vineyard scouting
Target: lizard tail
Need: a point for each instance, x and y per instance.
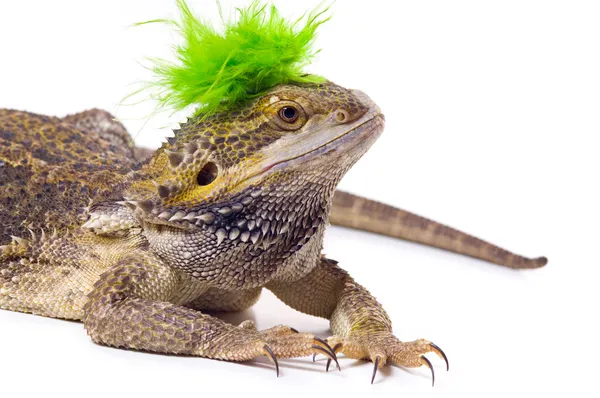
(356, 212)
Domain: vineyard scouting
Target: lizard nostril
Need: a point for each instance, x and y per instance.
(341, 116)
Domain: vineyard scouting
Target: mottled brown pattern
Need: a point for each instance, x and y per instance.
(50, 171)
(138, 250)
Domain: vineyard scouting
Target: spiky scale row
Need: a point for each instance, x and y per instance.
(107, 223)
(19, 246)
(267, 225)
(188, 218)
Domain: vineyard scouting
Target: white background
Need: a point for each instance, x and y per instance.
(493, 119)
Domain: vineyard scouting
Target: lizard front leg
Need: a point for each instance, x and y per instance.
(129, 307)
(361, 327)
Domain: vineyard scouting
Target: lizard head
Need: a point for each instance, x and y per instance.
(257, 180)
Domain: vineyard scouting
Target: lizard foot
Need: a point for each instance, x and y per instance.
(285, 342)
(382, 347)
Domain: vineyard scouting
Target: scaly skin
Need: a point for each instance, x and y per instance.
(231, 204)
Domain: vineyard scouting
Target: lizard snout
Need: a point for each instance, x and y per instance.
(367, 101)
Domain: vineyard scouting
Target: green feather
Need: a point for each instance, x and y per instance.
(218, 70)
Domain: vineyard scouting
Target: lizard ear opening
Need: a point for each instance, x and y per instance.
(208, 174)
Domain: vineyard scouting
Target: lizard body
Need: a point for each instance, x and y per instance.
(140, 250)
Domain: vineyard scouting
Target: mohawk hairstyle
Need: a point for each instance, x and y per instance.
(219, 69)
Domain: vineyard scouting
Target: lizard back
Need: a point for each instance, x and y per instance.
(51, 168)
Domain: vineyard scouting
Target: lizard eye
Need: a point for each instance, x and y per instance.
(208, 174)
(289, 114)
(286, 115)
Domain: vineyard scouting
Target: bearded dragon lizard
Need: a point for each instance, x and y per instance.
(234, 203)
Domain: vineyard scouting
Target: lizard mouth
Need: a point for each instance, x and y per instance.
(353, 141)
(326, 140)
(317, 146)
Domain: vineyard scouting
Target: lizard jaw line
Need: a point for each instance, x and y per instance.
(370, 127)
(367, 129)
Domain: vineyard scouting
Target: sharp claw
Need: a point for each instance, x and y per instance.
(335, 350)
(273, 358)
(323, 342)
(329, 352)
(337, 347)
(441, 354)
(294, 330)
(426, 362)
(375, 369)
(329, 355)
(338, 365)
(325, 346)
(323, 350)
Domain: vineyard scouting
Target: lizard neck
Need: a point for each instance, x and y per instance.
(272, 230)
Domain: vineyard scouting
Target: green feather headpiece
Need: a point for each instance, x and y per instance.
(219, 69)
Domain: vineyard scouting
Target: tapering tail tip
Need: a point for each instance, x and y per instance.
(532, 262)
(515, 261)
(367, 215)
